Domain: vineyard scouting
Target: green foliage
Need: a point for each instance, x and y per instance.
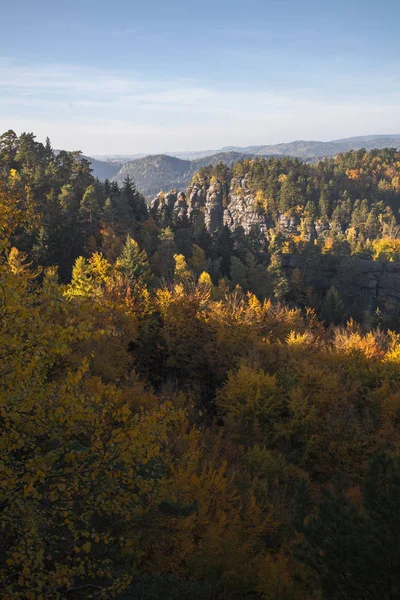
(238, 273)
(354, 543)
(133, 264)
(161, 405)
(332, 307)
(278, 277)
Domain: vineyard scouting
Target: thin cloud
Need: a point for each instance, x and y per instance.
(78, 106)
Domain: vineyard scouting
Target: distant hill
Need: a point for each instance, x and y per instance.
(309, 150)
(174, 171)
(152, 174)
(121, 158)
(104, 169)
(194, 155)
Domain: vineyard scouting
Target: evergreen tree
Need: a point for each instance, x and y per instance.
(89, 212)
(258, 278)
(355, 547)
(129, 189)
(108, 213)
(288, 196)
(238, 273)
(8, 150)
(134, 199)
(162, 261)
(89, 206)
(133, 264)
(332, 307)
(223, 249)
(49, 150)
(278, 277)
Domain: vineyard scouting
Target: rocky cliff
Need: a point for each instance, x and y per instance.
(379, 281)
(231, 204)
(235, 205)
(221, 204)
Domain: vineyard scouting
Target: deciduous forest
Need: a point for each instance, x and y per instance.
(185, 413)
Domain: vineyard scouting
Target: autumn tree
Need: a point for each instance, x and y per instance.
(133, 264)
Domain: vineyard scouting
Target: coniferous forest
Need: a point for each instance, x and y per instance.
(199, 411)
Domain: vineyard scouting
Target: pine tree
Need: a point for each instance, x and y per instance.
(89, 207)
(287, 196)
(223, 248)
(8, 149)
(129, 189)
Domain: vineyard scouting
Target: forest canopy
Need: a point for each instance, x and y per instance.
(181, 415)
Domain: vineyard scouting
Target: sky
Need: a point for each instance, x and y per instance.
(126, 77)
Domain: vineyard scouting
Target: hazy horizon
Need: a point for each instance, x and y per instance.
(210, 150)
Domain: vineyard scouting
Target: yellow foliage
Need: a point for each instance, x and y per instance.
(100, 268)
(204, 282)
(111, 244)
(198, 261)
(328, 246)
(181, 272)
(353, 174)
(387, 249)
(18, 261)
(260, 201)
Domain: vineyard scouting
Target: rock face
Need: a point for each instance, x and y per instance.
(241, 209)
(379, 281)
(232, 205)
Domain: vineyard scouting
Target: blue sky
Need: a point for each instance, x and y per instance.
(127, 77)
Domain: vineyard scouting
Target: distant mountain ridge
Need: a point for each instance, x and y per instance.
(308, 150)
(165, 172)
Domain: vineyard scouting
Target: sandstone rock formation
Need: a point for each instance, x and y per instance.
(234, 205)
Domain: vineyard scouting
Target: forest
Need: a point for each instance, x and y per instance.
(181, 416)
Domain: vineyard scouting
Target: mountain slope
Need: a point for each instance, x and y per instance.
(104, 169)
(152, 174)
(174, 171)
